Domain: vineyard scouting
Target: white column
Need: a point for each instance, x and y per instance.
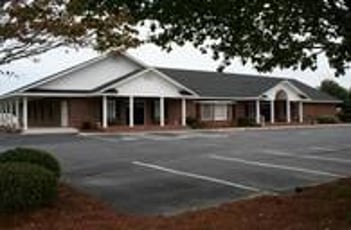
(17, 113)
(258, 112)
(11, 115)
(64, 113)
(183, 112)
(4, 111)
(8, 114)
(1, 113)
(162, 111)
(3, 105)
(301, 112)
(272, 112)
(104, 112)
(131, 111)
(25, 114)
(288, 111)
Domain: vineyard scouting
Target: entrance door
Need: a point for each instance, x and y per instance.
(139, 112)
(266, 110)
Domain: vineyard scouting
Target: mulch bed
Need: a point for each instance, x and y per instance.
(322, 207)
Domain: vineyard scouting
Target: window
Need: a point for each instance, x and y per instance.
(156, 111)
(221, 113)
(214, 112)
(207, 112)
(112, 111)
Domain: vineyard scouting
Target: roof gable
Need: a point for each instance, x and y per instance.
(93, 75)
(63, 79)
(147, 82)
(292, 92)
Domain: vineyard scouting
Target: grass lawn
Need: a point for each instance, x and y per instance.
(322, 207)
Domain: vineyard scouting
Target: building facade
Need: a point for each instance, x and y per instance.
(117, 92)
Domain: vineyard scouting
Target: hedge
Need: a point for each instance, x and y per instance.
(25, 186)
(327, 120)
(33, 156)
(247, 122)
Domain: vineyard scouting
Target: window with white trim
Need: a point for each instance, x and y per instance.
(207, 112)
(221, 112)
(214, 112)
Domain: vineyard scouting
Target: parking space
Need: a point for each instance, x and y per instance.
(167, 173)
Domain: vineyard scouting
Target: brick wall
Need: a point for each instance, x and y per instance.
(83, 110)
(313, 110)
(148, 112)
(191, 109)
(174, 107)
(240, 110)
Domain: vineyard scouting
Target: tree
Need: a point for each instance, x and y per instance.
(334, 89)
(32, 27)
(267, 33)
(339, 92)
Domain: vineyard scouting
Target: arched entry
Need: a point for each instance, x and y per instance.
(281, 96)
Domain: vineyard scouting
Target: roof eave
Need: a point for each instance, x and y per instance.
(325, 101)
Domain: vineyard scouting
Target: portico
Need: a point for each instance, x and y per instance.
(133, 111)
(148, 98)
(286, 105)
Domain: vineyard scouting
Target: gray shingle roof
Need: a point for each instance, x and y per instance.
(215, 84)
(313, 93)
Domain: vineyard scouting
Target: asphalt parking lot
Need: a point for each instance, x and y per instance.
(165, 173)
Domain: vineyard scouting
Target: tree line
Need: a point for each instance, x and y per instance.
(267, 33)
(334, 89)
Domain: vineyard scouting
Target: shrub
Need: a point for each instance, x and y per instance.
(327, 120)
(25, 186)
(247, 122)
(33, 156)
(87, 125)
(193, 123)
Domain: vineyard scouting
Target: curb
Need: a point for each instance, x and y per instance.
(223, 130)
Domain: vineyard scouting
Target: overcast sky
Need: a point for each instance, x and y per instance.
(186, 57)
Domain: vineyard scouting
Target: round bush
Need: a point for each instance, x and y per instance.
(33, 156)
(24, 186)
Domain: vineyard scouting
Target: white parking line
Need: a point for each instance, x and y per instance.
(323, 149)
(104, 139)
(268, 165)
(197, 176)
(112, 140)
(184, 136)
(320, 158)
(164, 138)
